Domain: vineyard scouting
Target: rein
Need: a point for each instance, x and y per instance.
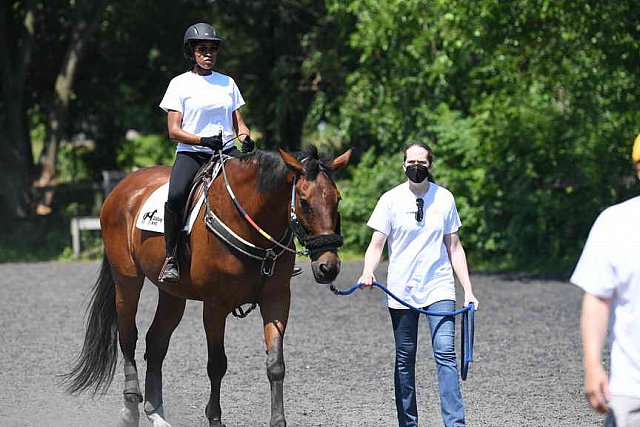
(267, 256)
(467, 326)
(246, 216)
(312, 244)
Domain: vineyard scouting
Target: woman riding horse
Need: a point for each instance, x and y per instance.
(203, 108)
(272, 190)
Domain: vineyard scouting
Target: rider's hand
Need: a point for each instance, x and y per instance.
(248, 145)
(366, 280)
(469, 297)
(213, 142)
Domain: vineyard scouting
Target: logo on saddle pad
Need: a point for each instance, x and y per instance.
(150, 218)
(151, 214)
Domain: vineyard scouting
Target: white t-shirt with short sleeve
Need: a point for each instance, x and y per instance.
(609, 267)
(206, 104)
(420, 272)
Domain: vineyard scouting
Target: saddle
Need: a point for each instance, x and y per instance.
(197, 193)
(151, 215)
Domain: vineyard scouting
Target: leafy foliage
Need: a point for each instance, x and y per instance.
(530, 108)
(145, 151)
(371, 177)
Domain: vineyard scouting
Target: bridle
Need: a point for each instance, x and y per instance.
(312, 244)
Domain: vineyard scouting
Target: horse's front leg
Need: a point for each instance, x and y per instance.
(214, 325)
(275, 312)
(168, 315)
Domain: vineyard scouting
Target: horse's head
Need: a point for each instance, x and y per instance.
(316, 210)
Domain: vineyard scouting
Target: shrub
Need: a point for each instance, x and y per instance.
(370, 178)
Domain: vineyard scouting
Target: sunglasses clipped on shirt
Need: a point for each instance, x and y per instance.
(420, 209)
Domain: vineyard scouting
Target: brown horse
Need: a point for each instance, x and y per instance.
(269, 187)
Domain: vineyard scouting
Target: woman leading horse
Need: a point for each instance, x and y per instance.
(269, 187)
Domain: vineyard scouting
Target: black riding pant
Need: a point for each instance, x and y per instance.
(184, 170)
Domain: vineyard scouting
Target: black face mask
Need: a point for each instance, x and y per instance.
(417, 173)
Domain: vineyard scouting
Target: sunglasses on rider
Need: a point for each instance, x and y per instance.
(419, 210)
(202, 49)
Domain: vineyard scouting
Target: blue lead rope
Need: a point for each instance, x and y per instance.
(467, 326)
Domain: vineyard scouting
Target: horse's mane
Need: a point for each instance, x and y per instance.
(273, 170)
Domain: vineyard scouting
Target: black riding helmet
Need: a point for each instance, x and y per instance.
(198, 32)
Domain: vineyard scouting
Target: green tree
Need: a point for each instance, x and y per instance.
(265, 47)
(525, 104)
(16, 157)
(102, 68)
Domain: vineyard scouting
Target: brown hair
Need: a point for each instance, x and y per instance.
(429, 155)
(421, 145)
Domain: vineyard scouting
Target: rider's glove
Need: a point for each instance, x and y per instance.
(213, 142)
(248, 145)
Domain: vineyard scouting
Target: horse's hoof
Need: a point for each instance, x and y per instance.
(129, 417)
(215, 420)
(158, 420)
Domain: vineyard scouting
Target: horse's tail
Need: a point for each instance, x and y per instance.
(96, 364)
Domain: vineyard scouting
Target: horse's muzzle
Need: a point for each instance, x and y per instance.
(326, 267)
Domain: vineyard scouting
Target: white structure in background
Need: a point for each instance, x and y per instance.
(109, 180)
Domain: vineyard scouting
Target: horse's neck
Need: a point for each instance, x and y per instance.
(270, 206)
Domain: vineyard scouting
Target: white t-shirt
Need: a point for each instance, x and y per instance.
(609, 267)
(419, 272)
(206, 104)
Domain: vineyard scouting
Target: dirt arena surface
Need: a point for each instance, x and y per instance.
(338, 353)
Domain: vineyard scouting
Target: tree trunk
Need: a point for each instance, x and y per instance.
(16, 159)
(87, 20)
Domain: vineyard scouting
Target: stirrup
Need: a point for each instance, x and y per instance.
(170, 271)
(296, 271)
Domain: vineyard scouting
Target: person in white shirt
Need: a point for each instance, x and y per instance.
(609, 273)
(419, 222)
(203, 108)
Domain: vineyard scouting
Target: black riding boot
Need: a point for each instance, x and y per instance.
(170, 270)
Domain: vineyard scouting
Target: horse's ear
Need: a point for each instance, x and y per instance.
(293, 163)
(341, 161)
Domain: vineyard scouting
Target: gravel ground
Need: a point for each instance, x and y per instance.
(338, 351)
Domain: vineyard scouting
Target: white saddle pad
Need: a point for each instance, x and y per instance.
(151, 215)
